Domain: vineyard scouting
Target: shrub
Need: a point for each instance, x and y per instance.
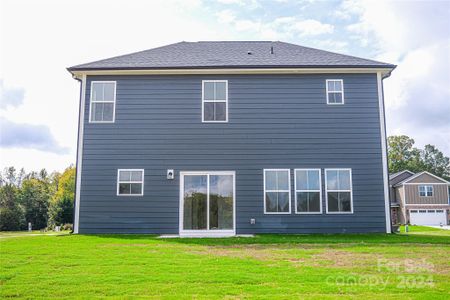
(67, 226)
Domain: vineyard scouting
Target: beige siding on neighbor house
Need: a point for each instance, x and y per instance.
(440, 194)
(425, 178)
(399, 194)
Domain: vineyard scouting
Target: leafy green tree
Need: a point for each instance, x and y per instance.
(61, 205)
(402, 155)
(435, 162)
(11, 213)
(35, 195)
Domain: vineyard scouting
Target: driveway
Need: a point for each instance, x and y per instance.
(446, 227)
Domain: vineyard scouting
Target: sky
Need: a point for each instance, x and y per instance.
(40, 39)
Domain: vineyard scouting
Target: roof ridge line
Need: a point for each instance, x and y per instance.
(347, 55)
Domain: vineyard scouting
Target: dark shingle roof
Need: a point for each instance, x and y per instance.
(399, 176)
(231, 55)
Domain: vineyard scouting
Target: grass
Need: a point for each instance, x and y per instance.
(421, 230)
(408, 266)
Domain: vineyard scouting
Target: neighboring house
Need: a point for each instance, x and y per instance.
(419, 199)
(224, 138)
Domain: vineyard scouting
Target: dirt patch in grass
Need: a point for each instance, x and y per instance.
(334, 256)
(304, 255)
(345, 259)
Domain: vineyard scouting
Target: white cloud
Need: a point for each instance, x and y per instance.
(251, 4)
(39, 137)
(36, 48)
(333, 45)
(32, 159)
(414, 35)
(35, 52)
(10, 97)
(417, 96)
(226, 16)
(247, 25)
(312, 27)
(280, 28)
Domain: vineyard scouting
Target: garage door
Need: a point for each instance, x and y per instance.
(427, 217)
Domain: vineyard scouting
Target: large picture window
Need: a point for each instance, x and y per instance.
(277, 191)
(103, 102)
(215, 101)
(308, 191)
(338, 185)
(130, 182)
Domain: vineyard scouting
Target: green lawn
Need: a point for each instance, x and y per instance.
(402, 266)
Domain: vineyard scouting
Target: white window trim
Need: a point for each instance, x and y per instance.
(426, 190)
(327, 190)
(91, 102)
(342, 92)
(288, 190)
(319, 190)
(225, 101)
(118, 183)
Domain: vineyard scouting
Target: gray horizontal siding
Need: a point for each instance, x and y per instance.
(279, 121)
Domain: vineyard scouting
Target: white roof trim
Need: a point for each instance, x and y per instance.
(421, 173)
(384, 71)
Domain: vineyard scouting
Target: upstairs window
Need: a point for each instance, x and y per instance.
(425, 191)
(215, 101)
(338, 186)
(130, 182)
(335, 91)
(308, 191)
(277, 191)
(103, 101)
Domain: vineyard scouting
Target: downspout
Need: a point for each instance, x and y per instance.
(384, 155)
(76, 203)
(76, 158)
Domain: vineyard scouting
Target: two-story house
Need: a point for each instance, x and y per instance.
(225, 138)
(419, 199)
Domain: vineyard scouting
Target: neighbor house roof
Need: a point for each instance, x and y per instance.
(392, 176)
(230, 54)
(399, 177)
(417, 175)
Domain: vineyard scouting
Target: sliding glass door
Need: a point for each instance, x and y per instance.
(207, 202)
(195, 202)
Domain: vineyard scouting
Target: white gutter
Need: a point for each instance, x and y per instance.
(79, 155)
(384, 71)
(384, 153)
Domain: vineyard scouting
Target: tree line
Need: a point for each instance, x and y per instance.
(42, 199)
(402, 155)
(46, 200)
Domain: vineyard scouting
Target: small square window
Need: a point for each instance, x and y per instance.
(335, 91)
(130, 182)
